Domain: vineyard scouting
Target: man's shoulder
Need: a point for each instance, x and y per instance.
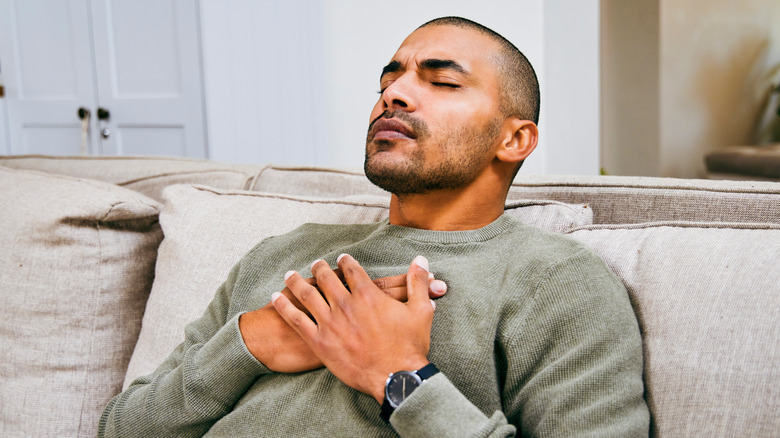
(548, 250)
(549, 242)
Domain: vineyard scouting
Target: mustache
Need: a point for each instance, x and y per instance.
(417, 125)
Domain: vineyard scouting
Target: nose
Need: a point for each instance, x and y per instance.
(400, 95)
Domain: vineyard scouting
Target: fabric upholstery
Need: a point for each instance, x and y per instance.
(145, 174)
(315, 181)
(207, 231)
(628, 200)
(76, 267)
(707, 304)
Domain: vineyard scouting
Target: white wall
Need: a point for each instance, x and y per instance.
(263, 81)
(293, 82)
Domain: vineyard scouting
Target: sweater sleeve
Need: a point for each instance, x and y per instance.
(571, 365)
(191, 389)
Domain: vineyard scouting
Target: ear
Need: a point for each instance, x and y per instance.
(518, 139)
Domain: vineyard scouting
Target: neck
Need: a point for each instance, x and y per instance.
(451, 210)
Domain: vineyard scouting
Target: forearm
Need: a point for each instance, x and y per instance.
(437, 409)
(194, 388)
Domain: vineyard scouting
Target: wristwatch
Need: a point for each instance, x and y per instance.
(399, 385)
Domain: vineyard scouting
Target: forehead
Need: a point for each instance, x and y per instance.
(470, 48)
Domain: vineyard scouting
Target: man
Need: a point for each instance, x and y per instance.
(534, 335)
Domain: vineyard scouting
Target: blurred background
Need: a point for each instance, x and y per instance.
(629, 87)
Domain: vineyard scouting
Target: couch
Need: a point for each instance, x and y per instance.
(104, 260)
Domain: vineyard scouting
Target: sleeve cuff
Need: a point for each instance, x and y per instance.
(226, 366)
(437, 408)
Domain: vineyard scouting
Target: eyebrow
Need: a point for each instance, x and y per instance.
(427, 64)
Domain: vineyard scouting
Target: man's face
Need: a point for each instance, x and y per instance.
(437, 119)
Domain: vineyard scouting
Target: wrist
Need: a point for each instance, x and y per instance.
(411, 364)
(400, 385)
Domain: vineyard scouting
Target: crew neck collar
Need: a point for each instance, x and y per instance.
(448, 237)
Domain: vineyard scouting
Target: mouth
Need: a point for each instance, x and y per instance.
(389, 129)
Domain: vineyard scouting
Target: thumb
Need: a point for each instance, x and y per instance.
(417, 279)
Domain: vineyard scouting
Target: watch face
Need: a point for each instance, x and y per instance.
(400, 385)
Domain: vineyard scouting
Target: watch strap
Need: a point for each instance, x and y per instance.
(425, 372)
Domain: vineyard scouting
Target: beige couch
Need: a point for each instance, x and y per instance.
(103, 261)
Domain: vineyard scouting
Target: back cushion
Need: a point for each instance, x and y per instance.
(708, 304)
(207, 231)
(76, 267)
(145, 174)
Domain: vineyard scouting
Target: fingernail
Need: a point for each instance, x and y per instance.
(433, 304)
(438, 286)
(430, 276)
(288, 274)
(314, 263)
(338, 259)
(421, 262)
(275, 296)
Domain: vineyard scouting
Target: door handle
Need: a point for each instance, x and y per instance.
(83, 113)
(105, 133)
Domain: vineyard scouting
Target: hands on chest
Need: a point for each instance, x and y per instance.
(361, 329)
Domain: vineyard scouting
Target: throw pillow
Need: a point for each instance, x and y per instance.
(76, 267)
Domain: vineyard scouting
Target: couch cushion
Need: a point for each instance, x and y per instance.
(207, 231)
(709, 309)
(146, 174)
(76, 267)
(315, 181)
(636, 199)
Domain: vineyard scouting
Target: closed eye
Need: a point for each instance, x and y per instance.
(445, 84)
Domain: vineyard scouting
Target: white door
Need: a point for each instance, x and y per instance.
(46, 55)
(134, 64)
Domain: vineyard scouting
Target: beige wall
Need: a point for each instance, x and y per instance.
(711, 67)
(630, 87)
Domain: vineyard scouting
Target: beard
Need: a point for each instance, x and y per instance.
(464, 154)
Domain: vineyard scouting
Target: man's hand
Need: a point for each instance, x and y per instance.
(277, 346)
(360, 333)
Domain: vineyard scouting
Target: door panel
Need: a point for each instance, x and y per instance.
(47, 65)
(48, 139)
(148, 68)
(139, 59)
(151, 140)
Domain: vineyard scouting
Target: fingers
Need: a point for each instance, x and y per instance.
(302, 324)
(436, 288)
(308, 295)
(329, 282)
(417, 279)
(356, 277)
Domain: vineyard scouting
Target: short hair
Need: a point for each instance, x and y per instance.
(520, 95)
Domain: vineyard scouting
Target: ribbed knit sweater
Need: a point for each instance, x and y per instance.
(535, 336)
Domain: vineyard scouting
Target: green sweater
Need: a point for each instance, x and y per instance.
(535, 334)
